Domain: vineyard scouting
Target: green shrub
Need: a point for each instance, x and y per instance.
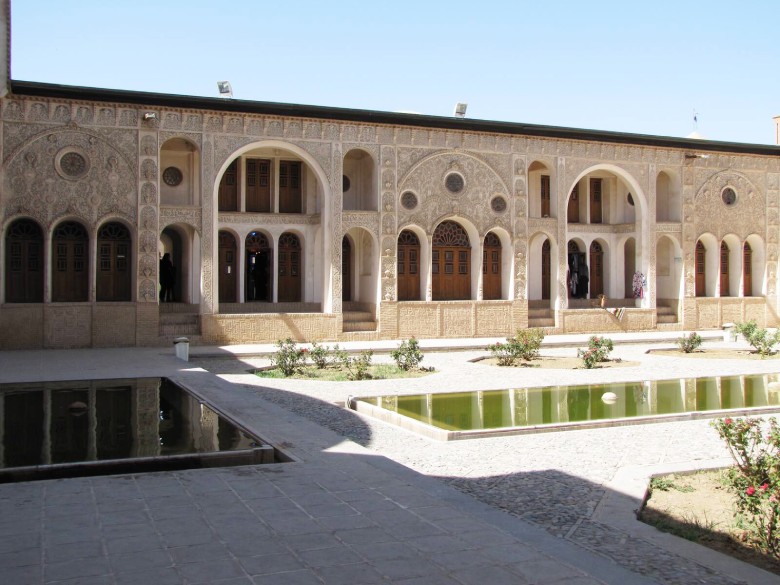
(357, 367)
(289, 358)
(755, 479)
(408, 355)
(527, 343)
(691, 343)
(502, 353)
(598, 351)
(319, 354)
(761, 340)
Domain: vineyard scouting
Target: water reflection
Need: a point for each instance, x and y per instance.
(66, 422)
(493, 409)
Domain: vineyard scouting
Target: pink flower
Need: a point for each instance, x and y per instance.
(764, 487)
(750, 491)
(727, 421)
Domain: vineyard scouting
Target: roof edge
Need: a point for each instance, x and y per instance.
(39, 89)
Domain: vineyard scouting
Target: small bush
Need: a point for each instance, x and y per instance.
(319, 354)
(598, 351)
(357, 367)
(502, 353)
(527, 343)
(408, 355)
(755, 479)
(691, 343)
(761, 340)
(289, 358)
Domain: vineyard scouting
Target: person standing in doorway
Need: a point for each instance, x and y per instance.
(167, 279)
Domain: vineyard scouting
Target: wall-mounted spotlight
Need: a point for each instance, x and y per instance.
(224, 89)
(150, 116)
(460, 110)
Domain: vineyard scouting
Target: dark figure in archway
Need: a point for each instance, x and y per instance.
(167, 279)
(584, 278)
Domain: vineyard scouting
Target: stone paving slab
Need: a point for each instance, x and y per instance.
(363, 502)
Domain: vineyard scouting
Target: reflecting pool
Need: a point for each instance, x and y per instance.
(563, 405)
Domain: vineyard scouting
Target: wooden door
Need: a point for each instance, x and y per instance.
(451, 263)
(257, 279)
(573, 209)
(24, 262)
(545, 191)
(595, 201)
(113, 280)
(290, 187)
(724, 269)
(346, 269)
(70, 263)
(408, 266)
(228, 188)
(701, 256)
(491, 267)
(546, 272)
(596, 270)
(228, 264)
(258, 185)
(747, 270)
(289, 269)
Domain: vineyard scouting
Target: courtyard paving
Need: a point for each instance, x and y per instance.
(364, 502)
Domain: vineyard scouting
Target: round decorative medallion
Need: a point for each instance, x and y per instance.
(71, 164)
(729, 196)
(172, 176)
(454, 182)
(409, 200)
(345, 183)
(498, 204)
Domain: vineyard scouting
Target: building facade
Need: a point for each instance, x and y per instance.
(332, 224)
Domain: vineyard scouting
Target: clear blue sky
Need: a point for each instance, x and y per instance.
(620, 65)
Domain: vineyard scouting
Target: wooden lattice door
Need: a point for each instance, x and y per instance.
(545, 194)
(747, 270)
(24, 262)
(114, 274)
(595, 201)
(546, 272)
(724, 269)
(228, 188)
(408, 266)
(701, 256)
(228, 264)
(290, 187)
(70, 263)
(289, 269)
(596, 270)
(491, 267)
(451, 263)
(573, 208)
(258, 185)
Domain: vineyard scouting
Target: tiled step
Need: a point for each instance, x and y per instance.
(541, 323)
(358, 316)
(176, 324)
(351, 326)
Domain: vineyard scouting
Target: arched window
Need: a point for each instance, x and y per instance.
(289, 268)
(596, 270)
(573, 209)
(70, 263)
(491, 267)
(747, 270)
(408, 266)
(258, 268)
(228, 263)
(290, 187)
(451, 263)
(701, 257)
(724, 269)
(24, 262)
(114, 264)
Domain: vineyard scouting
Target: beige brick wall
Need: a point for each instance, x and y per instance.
(598, 320)
(21, 327)
(451, 319)
(114, 325)
(269, 328)
(67, 326)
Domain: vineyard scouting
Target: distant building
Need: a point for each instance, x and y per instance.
(328, 223)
